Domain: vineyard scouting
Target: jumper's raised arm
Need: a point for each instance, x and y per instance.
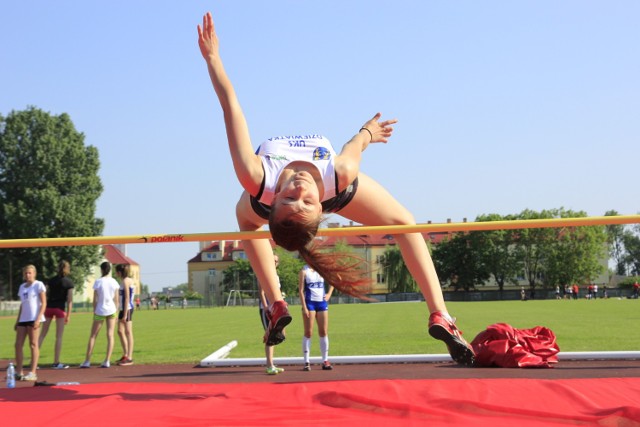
(246, 164)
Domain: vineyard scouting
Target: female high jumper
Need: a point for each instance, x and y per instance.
(290, 181)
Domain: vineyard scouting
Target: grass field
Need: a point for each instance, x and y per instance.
(187, 336)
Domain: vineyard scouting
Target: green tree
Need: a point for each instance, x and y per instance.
(288, 271)
(49, 186)
(186, 292)
(632, 251)
(575, 254)
(193, 295)
(239, 276)
(341, 246)
(458, 262)
(396, 271)
(184, 287)
(497, 251)
(615, 239)
(533, 246)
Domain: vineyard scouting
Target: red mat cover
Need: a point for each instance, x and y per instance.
(494, 402)
(505, 346)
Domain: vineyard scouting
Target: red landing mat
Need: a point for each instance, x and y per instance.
(468, 402)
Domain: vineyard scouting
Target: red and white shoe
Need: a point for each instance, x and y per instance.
(279, 318)
(443, 329)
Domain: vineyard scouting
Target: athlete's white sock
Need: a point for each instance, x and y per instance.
(324, 347)
(306, 347)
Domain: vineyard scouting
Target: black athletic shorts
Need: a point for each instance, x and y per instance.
(129, 315)
(26, 324)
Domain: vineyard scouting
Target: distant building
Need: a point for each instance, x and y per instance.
(206, 269)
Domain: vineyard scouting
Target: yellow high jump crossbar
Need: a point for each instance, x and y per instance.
(335, 232)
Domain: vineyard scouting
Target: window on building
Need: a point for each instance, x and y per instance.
(210, 256)
(211, 276)
(239, 255)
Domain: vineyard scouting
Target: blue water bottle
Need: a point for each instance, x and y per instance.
(11, 376)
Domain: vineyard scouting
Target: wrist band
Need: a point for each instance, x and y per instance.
(370, 134)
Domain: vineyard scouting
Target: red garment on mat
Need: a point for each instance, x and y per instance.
(507, 347)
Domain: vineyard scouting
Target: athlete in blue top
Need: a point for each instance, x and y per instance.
(315, 305)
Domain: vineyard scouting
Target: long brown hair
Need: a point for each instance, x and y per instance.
(342, 270)
(64, 268)
(123, 270)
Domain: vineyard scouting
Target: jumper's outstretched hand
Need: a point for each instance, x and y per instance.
(380, 130)
(207, 38)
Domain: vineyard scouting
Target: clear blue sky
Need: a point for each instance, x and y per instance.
(502, 105)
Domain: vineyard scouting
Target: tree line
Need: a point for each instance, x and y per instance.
(542, 257)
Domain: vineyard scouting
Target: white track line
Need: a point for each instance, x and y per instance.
(411, 358)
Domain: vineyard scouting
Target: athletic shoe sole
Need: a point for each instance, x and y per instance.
(276, 336)
(458, 349)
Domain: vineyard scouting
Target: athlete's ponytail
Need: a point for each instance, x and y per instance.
(344, 271)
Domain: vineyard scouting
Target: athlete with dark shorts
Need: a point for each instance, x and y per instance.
(33, 303)
(125, 315)
(59, 305)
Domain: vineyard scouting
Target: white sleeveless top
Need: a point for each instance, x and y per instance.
(313, 285)
(276, 153)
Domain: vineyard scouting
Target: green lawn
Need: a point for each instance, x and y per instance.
(187, 336)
